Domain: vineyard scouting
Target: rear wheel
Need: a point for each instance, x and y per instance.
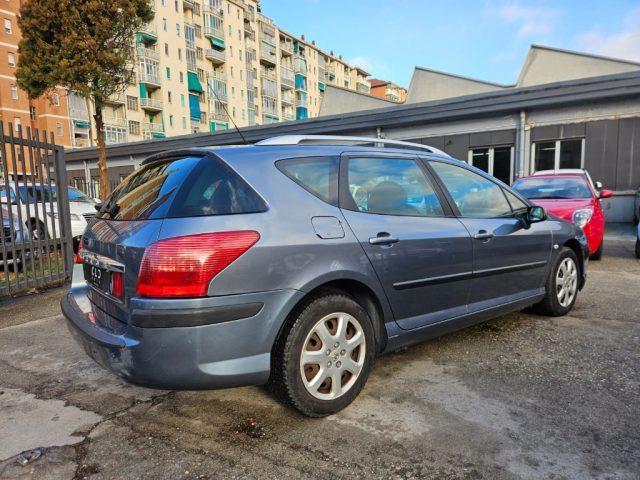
(323, 358)
(561, 286)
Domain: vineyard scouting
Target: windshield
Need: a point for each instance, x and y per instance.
(553, 188)
(76, 195)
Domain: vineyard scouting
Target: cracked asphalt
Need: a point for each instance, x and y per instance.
(519, 397)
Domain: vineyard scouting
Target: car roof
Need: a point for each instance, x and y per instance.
(270, 153)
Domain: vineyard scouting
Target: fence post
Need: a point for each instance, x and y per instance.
(63, 207)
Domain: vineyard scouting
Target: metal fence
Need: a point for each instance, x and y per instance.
(37, 244)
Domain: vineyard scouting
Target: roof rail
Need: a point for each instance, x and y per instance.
(339, 140)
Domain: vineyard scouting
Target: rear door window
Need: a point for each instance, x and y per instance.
(317, 175)
(181, 187)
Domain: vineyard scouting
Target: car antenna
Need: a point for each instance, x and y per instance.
(228, 116)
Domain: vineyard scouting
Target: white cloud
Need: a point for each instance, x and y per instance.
(624, 43)
(531, 21)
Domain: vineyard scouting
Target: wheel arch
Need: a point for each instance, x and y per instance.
(362, 292)
(574, 245)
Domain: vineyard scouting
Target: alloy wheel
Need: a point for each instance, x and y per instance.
(566, 282)
(333, 355)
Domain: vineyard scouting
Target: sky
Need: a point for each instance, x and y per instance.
(485, 39)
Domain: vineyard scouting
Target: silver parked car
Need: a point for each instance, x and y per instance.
(298, 260)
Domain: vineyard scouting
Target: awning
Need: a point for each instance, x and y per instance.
(81, 123)
(301, 82)
(216, 42)
(193, 82)
(216, 126)
(194, 107)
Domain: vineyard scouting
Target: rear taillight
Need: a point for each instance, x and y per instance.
(79, 254)
(117, 284)
(182, 267)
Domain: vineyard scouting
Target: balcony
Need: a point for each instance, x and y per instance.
(288, 99)
(150, 79)
(300, 65)
(145, 52)
(188, 5)
(362, 87)
(148, 32)
(192, 66)
(268, 118)
(286, 77)
(215, 34)
(249, 33)
(249, 15)
(214, 8)
(151, 104)
(288, 115)
(301, 103)
(267, 54)
(117, 99)
(219, 117)
(153, 128)
(115, 121)
(216, 56)
(286, 48)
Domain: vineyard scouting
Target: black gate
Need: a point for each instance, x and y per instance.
(37, 243)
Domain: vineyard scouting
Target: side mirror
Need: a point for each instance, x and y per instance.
(598, 185)
(98, 206)
(604, 193)
(534, 214)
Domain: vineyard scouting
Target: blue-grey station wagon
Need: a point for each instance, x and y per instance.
(298, 260)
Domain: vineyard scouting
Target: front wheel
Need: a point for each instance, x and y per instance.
(323, 357)
(561, 287)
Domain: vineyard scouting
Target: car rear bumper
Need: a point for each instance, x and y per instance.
(214, 355)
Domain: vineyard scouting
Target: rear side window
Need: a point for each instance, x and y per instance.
(182, 187)
(318, 175)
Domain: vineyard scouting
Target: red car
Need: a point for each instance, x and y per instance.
(572, 196)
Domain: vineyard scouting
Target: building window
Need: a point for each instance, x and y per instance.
(55, 99)
(184, 122)
(164, 24)
(178, 29)
(114, 135)
(14, 92)
(166, 49)
(7, 26)
(496, 161)
(168, 73)
(171, 120)
(182, 100)
(58, 129)
(179, 54)
(11, 59)
(134, 127)
(169, 97)
(132, 102)
(181, 77)
(558, 154)
(17, 123)
(32, 113)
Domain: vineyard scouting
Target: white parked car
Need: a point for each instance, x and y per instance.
(39, 211)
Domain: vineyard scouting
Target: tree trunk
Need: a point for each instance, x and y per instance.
(105, 188)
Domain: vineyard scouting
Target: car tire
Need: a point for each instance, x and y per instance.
(565, 270)
(638, 248)
(337, 332)
(597, 255)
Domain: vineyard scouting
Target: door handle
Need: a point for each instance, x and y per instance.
(383, 238)
(483, 235)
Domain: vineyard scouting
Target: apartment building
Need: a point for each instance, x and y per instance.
(387, 90)
(201, 65)
(16, 110)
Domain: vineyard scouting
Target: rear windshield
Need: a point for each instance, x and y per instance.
(181, 187)
(552, 188)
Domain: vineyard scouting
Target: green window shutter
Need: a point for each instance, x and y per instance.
(143, 90)
(193, 83)
(168, 73)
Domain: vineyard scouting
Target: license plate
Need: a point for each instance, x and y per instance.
(98, 277)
